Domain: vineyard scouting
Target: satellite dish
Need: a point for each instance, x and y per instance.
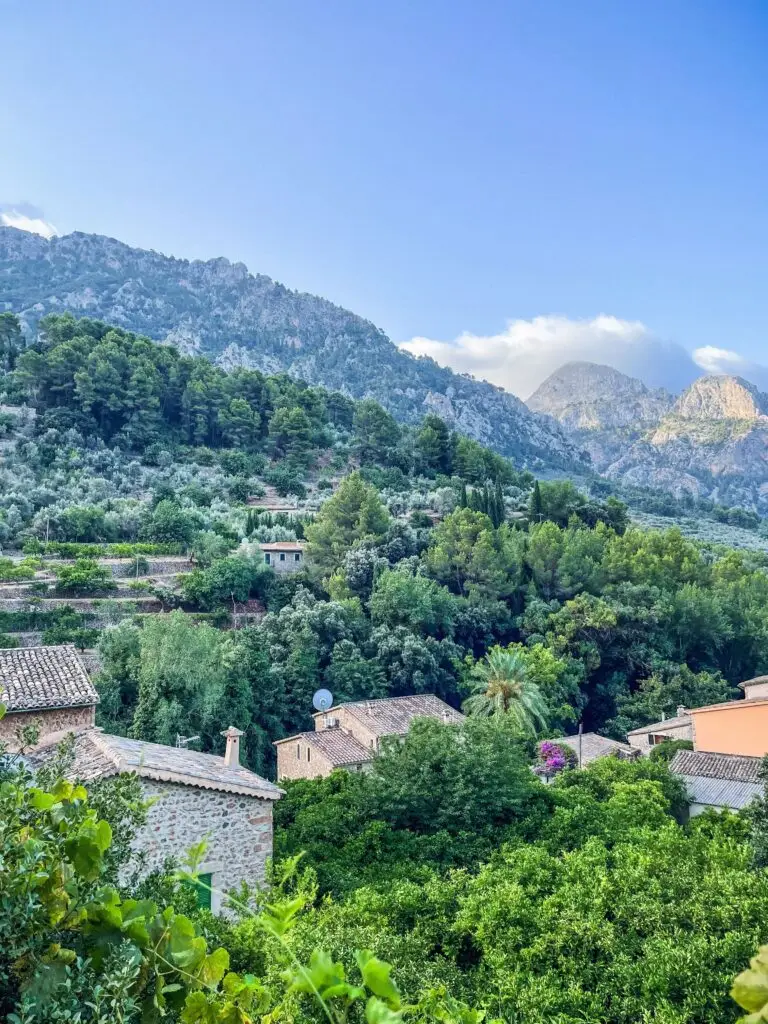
(322, 700)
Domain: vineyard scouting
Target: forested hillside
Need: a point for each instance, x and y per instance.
(220, 310)
(135, 487)
(426, 551)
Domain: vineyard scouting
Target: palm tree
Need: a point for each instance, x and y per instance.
(502, 687)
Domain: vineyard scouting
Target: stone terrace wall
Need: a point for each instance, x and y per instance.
(238, 829)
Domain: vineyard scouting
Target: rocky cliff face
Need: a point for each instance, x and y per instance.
(710, 442)
(603, 410)
(713, 442)
(219, 309)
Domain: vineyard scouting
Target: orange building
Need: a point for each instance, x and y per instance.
(737, 727)
(729, 743)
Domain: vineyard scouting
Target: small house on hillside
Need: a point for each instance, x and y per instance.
(680, 727)
(195, 794)
(590, 746)
(349, 735)
(284, 556)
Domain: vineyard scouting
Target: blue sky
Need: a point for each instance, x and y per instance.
(439, 167)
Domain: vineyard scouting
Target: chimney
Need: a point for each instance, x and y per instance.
(681, 710)
(232, 753)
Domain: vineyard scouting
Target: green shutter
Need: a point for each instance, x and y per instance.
(203, 891)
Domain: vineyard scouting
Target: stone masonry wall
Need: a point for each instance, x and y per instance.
(289, 766)
(238, 831)
(349, 723)
(48, 721)
(643, 742)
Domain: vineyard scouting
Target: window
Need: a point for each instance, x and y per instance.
(297, 557)
(309, 754)
(267, 557)
(282, 556)
(298, 751)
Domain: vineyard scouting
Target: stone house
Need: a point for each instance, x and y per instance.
(680, 727)
(590, 746)
(47, 687)
(349, 735)
(195, 795)
(284, 556)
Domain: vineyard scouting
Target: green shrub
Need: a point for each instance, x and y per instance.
(85, 577)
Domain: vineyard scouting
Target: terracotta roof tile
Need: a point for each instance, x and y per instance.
(727, 767)
(35, 678)
(594, 746)
(338, 747)
(99, 755)
(392, 716)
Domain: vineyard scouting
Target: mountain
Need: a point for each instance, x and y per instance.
(601, 408)
(219, 309)
(713, 442)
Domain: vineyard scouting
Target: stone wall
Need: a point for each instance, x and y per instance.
(643, 741)
(289, 766)
(238, 831)
(349, 723)
(48, 721)
(33, 639)
(288, 565)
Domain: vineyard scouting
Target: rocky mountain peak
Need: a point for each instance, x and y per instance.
(590, 396)
(721, 398)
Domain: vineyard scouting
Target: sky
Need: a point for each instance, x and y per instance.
(501, 184)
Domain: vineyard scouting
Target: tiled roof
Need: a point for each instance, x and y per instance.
(668, 723)
(726, 767)
(740, 702)
(337, 746)
(99, 755)
(392, 716)
(282, 545)
(594, 746)
(753, 682)
(35, 678)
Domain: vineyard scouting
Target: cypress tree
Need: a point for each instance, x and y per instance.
(463, 497)
(536, 506)
(501, 513)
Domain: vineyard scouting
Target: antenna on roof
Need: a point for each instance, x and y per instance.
(184, 741)
(322, 700)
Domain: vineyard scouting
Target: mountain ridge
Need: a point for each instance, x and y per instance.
(222, 310)
(710, 441)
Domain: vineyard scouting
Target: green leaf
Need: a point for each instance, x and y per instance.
(750, 989)
(376, 976)
(197, 1009)
(213, 968)
(377, 1012)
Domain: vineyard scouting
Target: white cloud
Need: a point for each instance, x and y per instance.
(527, 351)
(15, 218)
(724, 360)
